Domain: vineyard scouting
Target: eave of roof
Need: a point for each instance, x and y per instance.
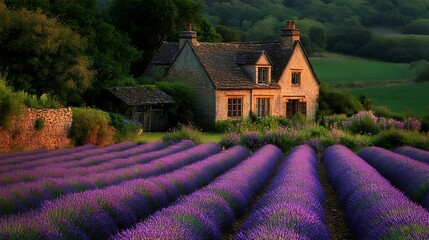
(137, 96)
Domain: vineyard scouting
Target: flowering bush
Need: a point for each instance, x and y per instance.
(366, 122)
(183, 132)
(362, 123)
(333, 121)
(229, 139)
(412, 124)
(252, 140)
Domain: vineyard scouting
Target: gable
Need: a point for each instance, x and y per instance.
(299, 62)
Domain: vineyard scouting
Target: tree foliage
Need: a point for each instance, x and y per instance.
(150, 22)
(337, 102)
(109, 52)
(183, 97)
(42, 56)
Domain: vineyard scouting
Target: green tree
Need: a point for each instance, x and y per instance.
(183, 97)
(318, 37)
(331, 101)
(228, 34)
(110, 51)
(150, 22)
(43, 56)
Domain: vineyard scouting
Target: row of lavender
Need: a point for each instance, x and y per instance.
(356, 182)
(211, 210)
(33, 169)
(292, 207)
(374, 208)
(24, 196)
(410, 175)
(98, 214)
(20, 157)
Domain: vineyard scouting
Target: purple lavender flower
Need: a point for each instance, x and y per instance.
(407, 174)
(374, 208)
(414, 153)
(293, 204)
(26, 195)
(206, 212)
(100, 213)
(55, 167)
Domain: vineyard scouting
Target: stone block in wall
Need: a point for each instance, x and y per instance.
(23, 135)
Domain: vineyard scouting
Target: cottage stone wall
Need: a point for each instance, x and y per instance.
(23, 135)
(188, 69)
(222, 102)
(307, 91)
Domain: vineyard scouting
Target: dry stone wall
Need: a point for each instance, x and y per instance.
(24, 135)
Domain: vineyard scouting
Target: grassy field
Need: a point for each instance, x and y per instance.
(337, 69)
(387, 84)
(411, 97)
(157, 136)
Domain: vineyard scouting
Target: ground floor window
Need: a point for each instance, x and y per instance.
(235, 107)
(263, 106)
(295, 106)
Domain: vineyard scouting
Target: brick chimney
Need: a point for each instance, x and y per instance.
(290, 34)
(187, 36)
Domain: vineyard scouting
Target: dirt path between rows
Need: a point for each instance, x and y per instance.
(334, 215)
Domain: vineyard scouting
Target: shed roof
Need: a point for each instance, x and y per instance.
(137, 96)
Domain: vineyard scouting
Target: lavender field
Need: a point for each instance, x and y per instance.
(189, 191)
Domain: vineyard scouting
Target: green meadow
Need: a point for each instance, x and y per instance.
(337, 69)
(404, 98)
(387, 84)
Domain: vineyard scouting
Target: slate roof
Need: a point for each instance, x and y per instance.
(243, 58)
(137, 96)
(222, 61)
(163, 58)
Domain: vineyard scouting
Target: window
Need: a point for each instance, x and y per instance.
(263, 106)
(295, 106)
(235, 107)
(262, 75)
(296, 78)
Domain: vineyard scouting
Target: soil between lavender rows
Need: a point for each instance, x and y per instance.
(334, 215)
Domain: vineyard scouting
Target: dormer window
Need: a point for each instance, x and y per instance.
(262, 75)
(257, 65)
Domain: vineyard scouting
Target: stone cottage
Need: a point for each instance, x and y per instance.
(232, 79)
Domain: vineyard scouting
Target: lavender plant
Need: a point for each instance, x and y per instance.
(100, 213)
(414, 153)
(24, 196)
(71, 165)
(16, 160)
(90, 166)
(374, 208)
(409, 175)
(293, 203)
(205, 213)
(229, 140)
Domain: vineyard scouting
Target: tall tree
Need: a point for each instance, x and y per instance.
(147, 22)
(110, 51)
(150, 22)
(42, 56)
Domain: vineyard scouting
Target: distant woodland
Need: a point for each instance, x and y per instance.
(73, 49)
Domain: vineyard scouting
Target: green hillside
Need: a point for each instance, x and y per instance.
(341, 70)
(412, 97)
(386, 84)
